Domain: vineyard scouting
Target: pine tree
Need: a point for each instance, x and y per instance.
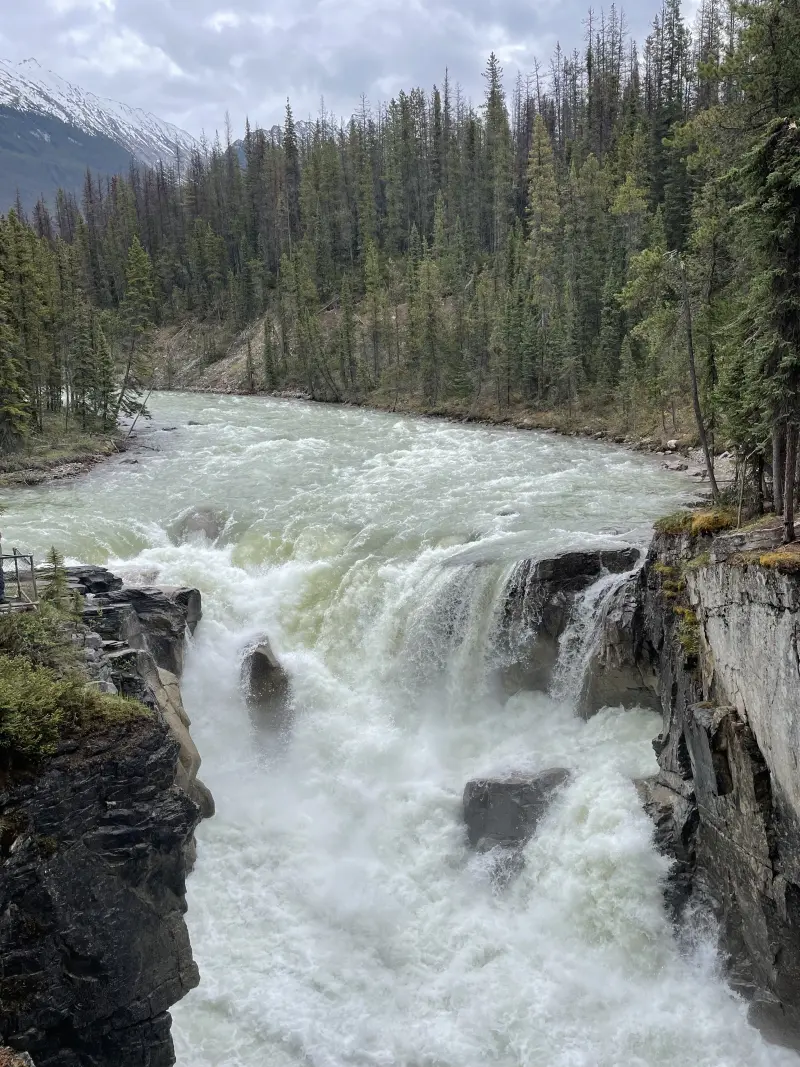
(374, 301)
(498, 156)
(136, 314)
(268, 356)
(771, 180)
(544, 220)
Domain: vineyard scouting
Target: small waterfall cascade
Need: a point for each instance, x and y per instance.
(518, 623)
(445, 629)
(550, 620)
(579, 641)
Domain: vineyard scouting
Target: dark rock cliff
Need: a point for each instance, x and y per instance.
(95, 845)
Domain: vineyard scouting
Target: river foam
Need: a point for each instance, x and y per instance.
(336, 913)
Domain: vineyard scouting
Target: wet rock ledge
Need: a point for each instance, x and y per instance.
(95, 846)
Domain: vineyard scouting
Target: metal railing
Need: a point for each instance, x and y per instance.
(21, 576)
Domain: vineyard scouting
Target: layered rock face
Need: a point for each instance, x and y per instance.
(95, 845)
(723, 635)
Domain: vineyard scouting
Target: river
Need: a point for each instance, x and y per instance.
(336, 915)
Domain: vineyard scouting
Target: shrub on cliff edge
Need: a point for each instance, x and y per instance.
(783, 559)
(41, 636)
(44, 694)
(38, 707)
(674, 525)
(712, 521)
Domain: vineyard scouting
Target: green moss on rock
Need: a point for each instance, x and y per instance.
(679, 522)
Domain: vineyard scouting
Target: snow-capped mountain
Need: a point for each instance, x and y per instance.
(27, 87)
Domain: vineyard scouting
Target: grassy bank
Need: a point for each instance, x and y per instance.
(56, 452)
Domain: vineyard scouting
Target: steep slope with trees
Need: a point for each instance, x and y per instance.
(620, 236)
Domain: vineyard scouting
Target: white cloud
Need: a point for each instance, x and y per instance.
(115, 51)
(190, 61)
(222, 20)
(62, 7)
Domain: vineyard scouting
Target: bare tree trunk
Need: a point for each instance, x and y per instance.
(758, 477)
(698, 412)
(397, 357)
(777, 467)
(125, 381)
(138, 413)
(788, 488)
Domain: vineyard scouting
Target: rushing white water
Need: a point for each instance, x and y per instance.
(336, 914)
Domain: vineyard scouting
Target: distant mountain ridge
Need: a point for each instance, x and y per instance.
(28, 87)
(51, 131)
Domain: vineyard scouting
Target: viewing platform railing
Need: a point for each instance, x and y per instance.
(19, 572)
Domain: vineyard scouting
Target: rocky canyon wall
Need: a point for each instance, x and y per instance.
(721, 631)
(95, 845)
(709, 635)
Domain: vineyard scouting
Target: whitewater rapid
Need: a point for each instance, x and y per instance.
(336, 914)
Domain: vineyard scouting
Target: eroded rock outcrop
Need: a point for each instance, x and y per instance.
(95, 845)
(154, 620)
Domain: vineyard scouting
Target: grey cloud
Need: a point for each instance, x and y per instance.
(190, 61)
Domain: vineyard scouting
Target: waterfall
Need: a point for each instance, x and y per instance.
(335, 912)
(445, 630)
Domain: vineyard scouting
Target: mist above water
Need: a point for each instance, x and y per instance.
(336, 913)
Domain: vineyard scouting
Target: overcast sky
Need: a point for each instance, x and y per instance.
(189, 61)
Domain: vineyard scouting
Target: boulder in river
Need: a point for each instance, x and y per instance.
(266, 684)
(197, 522)
(506, 811)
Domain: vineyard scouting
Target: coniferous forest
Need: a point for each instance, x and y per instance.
(618, 232)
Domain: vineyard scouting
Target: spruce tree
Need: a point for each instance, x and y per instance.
(14, 414)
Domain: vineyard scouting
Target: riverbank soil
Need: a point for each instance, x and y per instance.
(210, 357)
